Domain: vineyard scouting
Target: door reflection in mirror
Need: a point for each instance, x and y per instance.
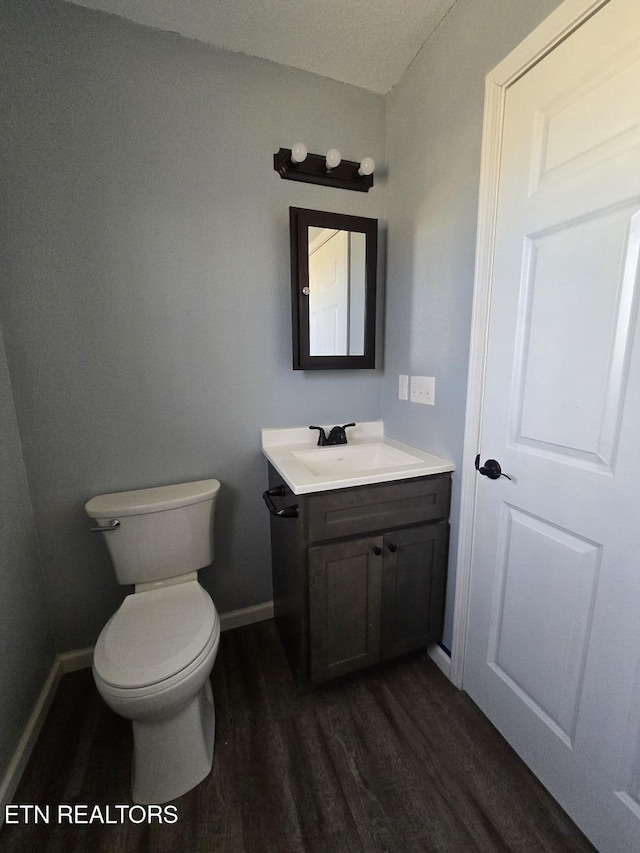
(336, 292)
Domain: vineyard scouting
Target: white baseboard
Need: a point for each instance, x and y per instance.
(77, 659)
(13, 774)
(246, 616)
(441, 659)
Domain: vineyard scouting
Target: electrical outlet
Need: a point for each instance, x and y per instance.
(423, 390)
(403, 387)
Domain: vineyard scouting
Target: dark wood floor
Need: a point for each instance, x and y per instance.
(396, 760)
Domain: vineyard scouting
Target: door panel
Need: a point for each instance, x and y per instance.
(544, 597)
(553, 643)
(567, 139)
(581, 342)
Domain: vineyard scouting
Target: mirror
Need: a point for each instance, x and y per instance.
(333, 289)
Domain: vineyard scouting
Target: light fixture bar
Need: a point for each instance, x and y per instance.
(313, 170)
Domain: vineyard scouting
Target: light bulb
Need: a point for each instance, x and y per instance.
(299, 152)
(367, 166)
(333, 158)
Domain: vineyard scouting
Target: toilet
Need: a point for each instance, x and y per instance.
(153, 658)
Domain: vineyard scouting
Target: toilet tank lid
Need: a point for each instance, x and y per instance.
(141, 501)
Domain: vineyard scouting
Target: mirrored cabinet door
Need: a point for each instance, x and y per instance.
(333, 279)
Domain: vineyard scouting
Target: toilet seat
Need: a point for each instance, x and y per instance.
(155, 635)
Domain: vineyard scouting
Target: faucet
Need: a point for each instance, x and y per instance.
(337, 435)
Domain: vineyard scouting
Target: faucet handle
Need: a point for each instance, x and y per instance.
(338, 434)
(322, 436)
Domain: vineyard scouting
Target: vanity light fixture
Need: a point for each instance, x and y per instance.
(297, 164)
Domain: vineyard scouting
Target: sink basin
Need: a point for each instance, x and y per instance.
(370, 457)
(350, 459)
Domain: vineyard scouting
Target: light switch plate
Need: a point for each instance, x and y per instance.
(423, 390)
(403, 387)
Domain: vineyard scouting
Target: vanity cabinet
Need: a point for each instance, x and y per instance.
(359, 575)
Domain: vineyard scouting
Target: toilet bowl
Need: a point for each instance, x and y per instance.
(153, 658)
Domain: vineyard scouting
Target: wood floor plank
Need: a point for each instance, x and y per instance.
(395, 760)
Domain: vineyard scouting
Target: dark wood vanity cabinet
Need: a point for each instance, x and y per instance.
(359, 576)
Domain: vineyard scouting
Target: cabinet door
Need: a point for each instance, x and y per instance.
(345, 583)
(415, 566)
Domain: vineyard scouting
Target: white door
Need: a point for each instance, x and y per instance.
(553, 640)
(329, 293)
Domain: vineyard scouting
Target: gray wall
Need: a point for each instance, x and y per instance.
(145, 267)
(434, 130)
(26, 645)
(146, 284)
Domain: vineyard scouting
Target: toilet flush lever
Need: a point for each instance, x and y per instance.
(114, 524)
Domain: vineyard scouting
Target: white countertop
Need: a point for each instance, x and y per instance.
(281, 445)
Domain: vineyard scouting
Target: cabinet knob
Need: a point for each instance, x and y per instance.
(377, 550)
(393, 548)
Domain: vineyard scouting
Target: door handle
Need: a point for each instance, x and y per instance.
(490, 469)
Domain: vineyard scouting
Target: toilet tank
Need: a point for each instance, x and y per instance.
(164, 532)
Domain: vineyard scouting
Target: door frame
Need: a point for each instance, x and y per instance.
(554, 29)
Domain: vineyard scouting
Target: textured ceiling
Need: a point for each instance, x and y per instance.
(368, 43)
